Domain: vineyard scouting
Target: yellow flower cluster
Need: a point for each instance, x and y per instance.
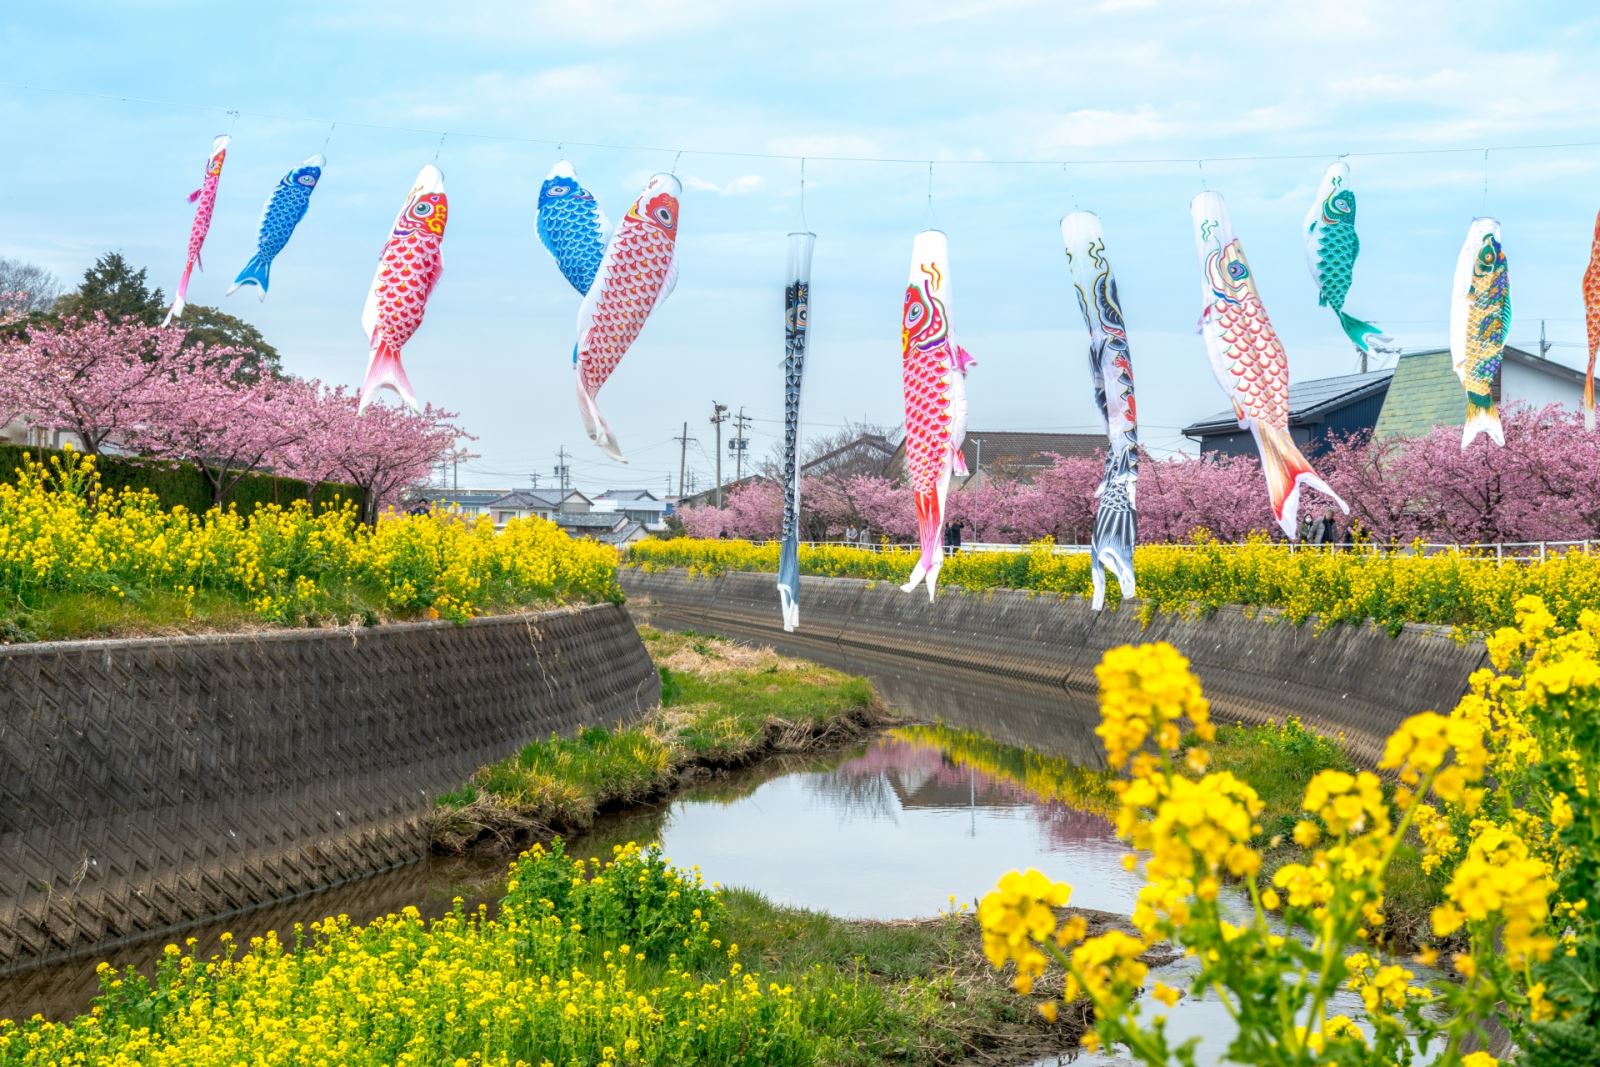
(531, 987)
(1017, 915)
(1145, 692)
(1472, 592)
(62, 535)
(1515, 865)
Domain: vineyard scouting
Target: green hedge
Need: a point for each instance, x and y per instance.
(185, 484)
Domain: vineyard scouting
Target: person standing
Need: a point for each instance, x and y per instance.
(952, 537)
(1330, 529)
(850, 534)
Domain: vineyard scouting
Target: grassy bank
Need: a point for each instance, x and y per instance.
(722, 706)
(628, 963)
(80, 559)
(1475, 594)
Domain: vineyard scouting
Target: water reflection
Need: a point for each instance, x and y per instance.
(892, 829)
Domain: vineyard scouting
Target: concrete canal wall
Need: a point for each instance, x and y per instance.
(1036, 655)
(146, 785)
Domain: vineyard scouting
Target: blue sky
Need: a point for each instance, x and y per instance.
(962, 84)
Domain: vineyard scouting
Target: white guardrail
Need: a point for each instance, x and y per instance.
(1512, 550)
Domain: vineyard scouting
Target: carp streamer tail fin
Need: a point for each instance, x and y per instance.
(930, 531)
(254, 273)
(1363, 335)
(1285, 469)
(384, 370)
(1482, 419)
(595, 424)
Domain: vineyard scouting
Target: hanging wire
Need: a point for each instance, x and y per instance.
(1485, 181)
(331, 127)
(929, 221)
(1202, 165)
(235, 121)
(439, 147)
(803, 224)
(1071, 188)
(976, 160)
(675, 160)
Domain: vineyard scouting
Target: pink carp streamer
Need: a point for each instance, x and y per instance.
(934, 376)
(638, 272)
(408, 269)
(205, 201)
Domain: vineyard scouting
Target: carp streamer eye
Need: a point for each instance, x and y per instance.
(914, 315)
(308, 179)
(1237, 271)
(665, 215)
(556, 190)
(423, 209)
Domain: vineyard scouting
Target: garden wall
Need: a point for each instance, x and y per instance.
(1027, 660)
(146, 785)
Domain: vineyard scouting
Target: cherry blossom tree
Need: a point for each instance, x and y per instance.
(90, 377)
(203, 411)
(381, 451)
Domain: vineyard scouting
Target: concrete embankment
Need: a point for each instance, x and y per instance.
(148, 785)
(1033, 656)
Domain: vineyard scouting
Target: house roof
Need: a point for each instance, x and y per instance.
(708, 497)
(1309, 401)
(476, 497)
(629, 531)
(867, 446)
(592, 520)
(1426, 392)
(1015, 448)
(522, 498)
(628, 495)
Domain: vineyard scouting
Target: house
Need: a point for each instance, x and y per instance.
(1426, 392)
(708, 498)
(1011, 454)
(1319, 410)
(520, 504)
(868, 453)
(640, 505)
(470, 502)
(607, 527)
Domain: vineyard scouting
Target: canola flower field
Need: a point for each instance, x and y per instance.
(1474, 594)
(77, 559)
(1500, 791)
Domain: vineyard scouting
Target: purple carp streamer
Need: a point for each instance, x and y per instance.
(797, 314)
(1111, 370)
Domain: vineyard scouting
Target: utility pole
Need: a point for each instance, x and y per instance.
(669, 483)
(719, 415)
(683, 457)
(562, 470)
(739, 444)
(1544, 346)
(535, 477)
(455, 467)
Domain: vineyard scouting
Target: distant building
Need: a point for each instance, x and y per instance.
(1319, 410)
(869, 453)
(1011, 454)
(1426, 392)
(640, 505)
(708, 498)
(470, 502)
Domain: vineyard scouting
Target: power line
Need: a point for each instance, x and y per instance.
(726, 153)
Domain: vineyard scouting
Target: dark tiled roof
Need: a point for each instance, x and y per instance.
(521, 498)
(1307, 400)
(627, 495)
(592, 520)
(1028, 449)
(1016, 449)
(477, 497)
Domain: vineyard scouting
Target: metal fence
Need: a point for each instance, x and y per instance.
(1527, 551)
